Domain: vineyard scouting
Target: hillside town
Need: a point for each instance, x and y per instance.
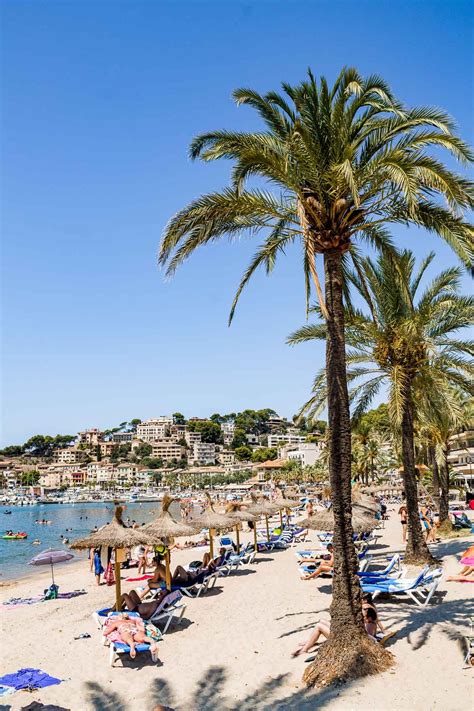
(160, 449)
(247, 448)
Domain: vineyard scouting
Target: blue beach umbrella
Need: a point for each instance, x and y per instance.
(50, 557)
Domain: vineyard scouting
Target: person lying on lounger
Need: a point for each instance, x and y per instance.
(131, 631)
(180, 577)
(326, 566)
(133, 603)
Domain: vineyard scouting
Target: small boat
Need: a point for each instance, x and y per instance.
(15, 536)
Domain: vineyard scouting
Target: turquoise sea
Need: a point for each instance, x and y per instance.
(81, 518)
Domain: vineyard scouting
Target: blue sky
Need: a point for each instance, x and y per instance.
(100, 102)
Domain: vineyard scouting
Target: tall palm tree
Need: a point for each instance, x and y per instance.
(342, 161)
(410, 341)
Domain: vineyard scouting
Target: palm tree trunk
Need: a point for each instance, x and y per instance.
(444, 481)
(347, 650)
(436, 479)
(416, 548)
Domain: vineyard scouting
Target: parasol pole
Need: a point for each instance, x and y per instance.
(281, 519)
(255, 538)
(52, 571)
(168, 569)
(118, 591)
(211, 543)
(237, 535)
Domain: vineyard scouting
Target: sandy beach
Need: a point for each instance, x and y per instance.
(233, 649)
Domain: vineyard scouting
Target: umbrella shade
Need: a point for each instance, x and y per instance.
(213, 521)
(324, 521)
(286, 503)
(165, 527)
(114, 535)
(234, 511)
(50, 557)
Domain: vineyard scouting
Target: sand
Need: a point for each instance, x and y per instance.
(233, 650)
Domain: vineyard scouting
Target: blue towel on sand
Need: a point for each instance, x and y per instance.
(29, 679)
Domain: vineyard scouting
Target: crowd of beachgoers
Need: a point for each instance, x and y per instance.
(158, 609)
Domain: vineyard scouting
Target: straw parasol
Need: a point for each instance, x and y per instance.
(117, 536)
(324, 521)
(283, 503)
(233, 510)
(163, 528)
(213, 521)
(263, 508)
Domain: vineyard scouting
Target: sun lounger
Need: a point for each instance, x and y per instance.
(420, 589)
(395, 561)
(246, 557)
(170, 608)
(117, 647)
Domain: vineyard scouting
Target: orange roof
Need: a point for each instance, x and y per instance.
(272, 464)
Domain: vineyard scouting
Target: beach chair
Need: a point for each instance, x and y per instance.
(420, 589)
(394, 561)
(227, 543)
(246, 557)
(171, 607)
(116, 648)
(200, 587)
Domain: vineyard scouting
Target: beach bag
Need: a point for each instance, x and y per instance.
(51, 593)
(109, 574)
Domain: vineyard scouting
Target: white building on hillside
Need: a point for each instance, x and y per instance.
(154, 428)
(461, 457)
(167, 449)
(202, 453)
(191, 438)
(307, 454)
(274, 440)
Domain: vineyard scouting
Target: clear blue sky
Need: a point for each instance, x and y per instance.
(100, 101)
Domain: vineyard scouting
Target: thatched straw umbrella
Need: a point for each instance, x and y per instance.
(213, 521)
(117, 536)
(324, 521)
(163, 528)
(282, 504)
(233, 510)
(263, 508)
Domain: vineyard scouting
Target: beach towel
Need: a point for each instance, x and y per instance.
(13, 602)
(141, 577)
(28, 679)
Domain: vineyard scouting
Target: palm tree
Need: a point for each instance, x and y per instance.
(342, 161)
(409, 341)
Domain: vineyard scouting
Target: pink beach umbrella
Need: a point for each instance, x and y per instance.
(50, 557)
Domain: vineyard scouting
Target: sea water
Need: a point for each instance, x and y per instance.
(81, 518)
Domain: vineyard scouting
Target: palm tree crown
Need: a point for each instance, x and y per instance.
(404, 337)
(343, 162)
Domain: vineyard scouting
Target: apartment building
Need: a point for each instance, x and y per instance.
(126, 471)
(226, 457)
(228, 431)
(461, 457)
(191, 438)
(177, 432)
(307, 454)
(69, 455)
(202, 453)
(274, 440)
(90, 437)
(122, 437)
(106, 448)
(167, 449)
(154, 429)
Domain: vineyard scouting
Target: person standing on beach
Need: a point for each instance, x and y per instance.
(98, 568)
(402, 512)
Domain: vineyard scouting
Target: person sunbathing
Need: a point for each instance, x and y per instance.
(133, 603)
(468, 562)
(131, 630)
(180, 578)
(325, 567)
(324, 629)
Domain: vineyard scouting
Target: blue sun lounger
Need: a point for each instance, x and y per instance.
(420, 589)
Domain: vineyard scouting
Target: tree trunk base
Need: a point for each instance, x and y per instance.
(445, 527)
(419, 559)
(347, 657)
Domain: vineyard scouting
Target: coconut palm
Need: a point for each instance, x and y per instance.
(342, 161)
(410, 341)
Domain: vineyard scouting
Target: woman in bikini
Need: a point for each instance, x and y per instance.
(131, 631)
